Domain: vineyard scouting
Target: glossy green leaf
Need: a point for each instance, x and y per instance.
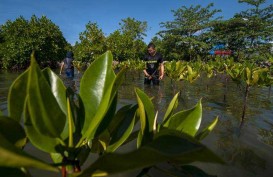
(187, 121)
(118, 118)
(147, 118)
(163, 148)
(59, 91)
(12, 131)
(77, 115)
(205, 132)
(142, 98)
(113, 100)
(100, 113)
(95, 83)
(14, 157)
(108, 117)
(42, 142)
(45, 112)
(57, 88)
(16, 96)
(71, 126)
(142, 115)
(118, 81)
(172, 106)
(123, 129)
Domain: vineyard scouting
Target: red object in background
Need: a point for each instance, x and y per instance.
(222, 52)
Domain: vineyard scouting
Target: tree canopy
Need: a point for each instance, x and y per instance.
(192, 33)
(20, 37)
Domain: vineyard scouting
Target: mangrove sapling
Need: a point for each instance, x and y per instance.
(251, 77)
(266, 80)
(70, 130)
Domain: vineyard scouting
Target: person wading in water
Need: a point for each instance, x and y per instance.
(67, 65)
(154, 71)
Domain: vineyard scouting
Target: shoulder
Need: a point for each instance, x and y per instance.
(159, 57)
(159, 54)
(146, 57)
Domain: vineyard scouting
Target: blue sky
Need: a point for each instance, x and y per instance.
(72, 15)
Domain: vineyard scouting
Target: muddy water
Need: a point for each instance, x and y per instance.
(246, 146)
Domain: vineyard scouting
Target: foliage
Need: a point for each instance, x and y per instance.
(92, 43)
(20, 37)
(124, 47)
(248, 32)
(133, 64)
(133, 28)
(127, 42)
(185, 32)
(69, 126)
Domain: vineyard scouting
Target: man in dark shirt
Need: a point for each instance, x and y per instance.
(154, 70)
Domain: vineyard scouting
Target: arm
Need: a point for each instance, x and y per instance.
(144, 70)
(161, 71)
(62, 66)
(145, 73)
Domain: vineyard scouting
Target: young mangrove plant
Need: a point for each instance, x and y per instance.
(74, 127)
(251, 77)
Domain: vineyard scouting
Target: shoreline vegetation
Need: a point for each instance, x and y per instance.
(247, 36)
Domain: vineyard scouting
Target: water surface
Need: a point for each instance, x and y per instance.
(246, 146)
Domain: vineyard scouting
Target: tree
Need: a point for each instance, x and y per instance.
(186, 30)
(230, 33)
(258, 25)
(127, 42)
(20, 37)
(133, 28)
(91, 45)
(249, 32)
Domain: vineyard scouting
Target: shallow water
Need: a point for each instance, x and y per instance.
(246, 146)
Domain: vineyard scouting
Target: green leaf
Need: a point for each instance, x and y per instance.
(123, 129)
(248, 75)
(77, 115)
(147, 117)
(142, 98)
(187, 121)
(108, 117)
(113, 100)
(163, 148)
(207, 130)
(172, 106)
(118, 81)
(95, 83)
(12, 131)
(57, 88)
(60, 93)
(45, 113)
(17, 95)
(42, 142)
(71, 126)
(14, 157)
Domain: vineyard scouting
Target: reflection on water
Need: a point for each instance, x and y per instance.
(247, 149)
